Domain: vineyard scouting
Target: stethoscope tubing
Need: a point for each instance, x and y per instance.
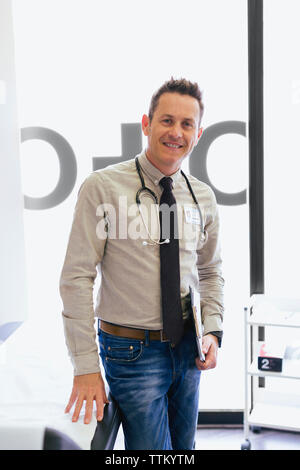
(144, 188)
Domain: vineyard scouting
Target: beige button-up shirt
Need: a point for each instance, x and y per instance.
(107, 238)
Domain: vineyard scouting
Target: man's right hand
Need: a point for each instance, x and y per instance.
(87, 387)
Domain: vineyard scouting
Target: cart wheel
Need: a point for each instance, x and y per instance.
(246, 445)
(255, 429)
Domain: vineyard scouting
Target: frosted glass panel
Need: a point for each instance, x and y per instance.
(84, 69)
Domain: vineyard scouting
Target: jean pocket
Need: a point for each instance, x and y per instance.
(119, 349)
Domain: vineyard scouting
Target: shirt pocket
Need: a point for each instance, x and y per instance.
(119, 349)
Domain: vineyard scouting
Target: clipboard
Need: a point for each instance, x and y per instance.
(196, 314)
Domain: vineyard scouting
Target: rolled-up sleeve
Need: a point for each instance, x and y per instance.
(211, 282)
(85, 251)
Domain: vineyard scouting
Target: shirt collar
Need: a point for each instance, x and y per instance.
(154, 173)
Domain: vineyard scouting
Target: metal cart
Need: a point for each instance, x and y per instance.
(277, 415)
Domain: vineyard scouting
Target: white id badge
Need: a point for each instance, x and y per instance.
(192, 215)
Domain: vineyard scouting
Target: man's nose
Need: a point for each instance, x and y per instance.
(175, 131)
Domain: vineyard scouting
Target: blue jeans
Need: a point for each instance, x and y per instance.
(156, 387)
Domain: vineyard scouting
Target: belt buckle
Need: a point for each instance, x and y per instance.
(161, 337)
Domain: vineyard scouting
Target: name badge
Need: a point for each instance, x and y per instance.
(192, 215)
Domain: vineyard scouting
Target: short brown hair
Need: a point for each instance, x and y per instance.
(181, 86)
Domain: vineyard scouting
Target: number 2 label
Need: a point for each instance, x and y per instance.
(265, 364)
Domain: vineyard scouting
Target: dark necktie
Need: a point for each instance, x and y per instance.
(169, 264)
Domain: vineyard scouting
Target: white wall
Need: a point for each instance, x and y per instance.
(282, 170)
(13, 299)
(282, 147)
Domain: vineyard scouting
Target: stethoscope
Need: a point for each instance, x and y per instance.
(148, 192)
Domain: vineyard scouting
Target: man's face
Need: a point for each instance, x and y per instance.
(173, 132)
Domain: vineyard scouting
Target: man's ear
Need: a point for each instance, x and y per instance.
(145, 124)
(200, 133)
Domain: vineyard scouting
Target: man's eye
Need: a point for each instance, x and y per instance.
(187, 124)
(167, 121)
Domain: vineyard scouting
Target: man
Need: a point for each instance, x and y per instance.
(146, 336)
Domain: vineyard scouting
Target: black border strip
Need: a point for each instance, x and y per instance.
(256, 145)
(215, 418)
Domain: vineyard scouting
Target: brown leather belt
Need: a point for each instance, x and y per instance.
(133, 333)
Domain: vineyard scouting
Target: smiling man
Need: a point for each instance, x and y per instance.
(145, 328)
(173, 129)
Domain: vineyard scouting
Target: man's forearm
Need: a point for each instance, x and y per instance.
(84, 253)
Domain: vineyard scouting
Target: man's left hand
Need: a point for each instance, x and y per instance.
(210, 350)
